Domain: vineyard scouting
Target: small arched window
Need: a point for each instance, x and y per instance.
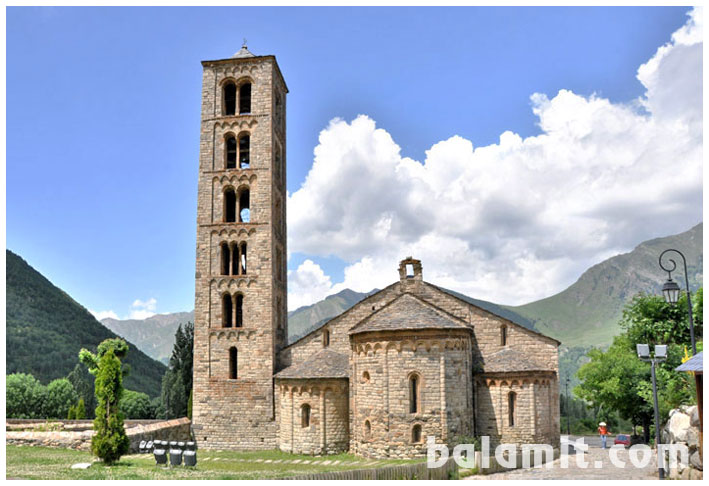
(242, 260)
(225, 254)
(503, 336)
(305, 415)
(367, 429)
(511, 399)
(230, 149)
(244, 206)
(233, 366)
(227, 311)
(414, 384)
(229, 99)
(235, 259)
(239, 310)
(416, 434)
(244, 147)
(325, 338)
(365, 377)
(245, 98)
(229, 206)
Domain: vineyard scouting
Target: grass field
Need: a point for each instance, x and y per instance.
(48, 463)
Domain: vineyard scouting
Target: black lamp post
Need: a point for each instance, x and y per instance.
(660, 355)
(671, 290)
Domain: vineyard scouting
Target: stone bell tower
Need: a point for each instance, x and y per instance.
(240, 279)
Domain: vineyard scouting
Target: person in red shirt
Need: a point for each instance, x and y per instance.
(603, 431)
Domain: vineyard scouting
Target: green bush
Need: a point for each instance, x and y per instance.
(59, 398)
(136, 405)
(24, 396)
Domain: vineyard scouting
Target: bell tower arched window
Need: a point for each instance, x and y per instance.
(244, 206)
(229, 206)
(229, 99)
(242, 260)
(230, 149)
(225, 254)
(244, 147)
(239, 310)
(233, 364)
(245, 99)
(227, 311)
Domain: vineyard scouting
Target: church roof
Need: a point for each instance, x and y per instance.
(408, 312)
(324, 364)
(509, 360)
(695, 363)
(243, 52)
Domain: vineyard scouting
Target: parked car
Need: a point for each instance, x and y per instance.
(622, 439)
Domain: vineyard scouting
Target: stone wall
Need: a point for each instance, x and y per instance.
(683, 427)
(176, 429)
(382, 424)
(328, 428)
(240, 413)
(533, 414)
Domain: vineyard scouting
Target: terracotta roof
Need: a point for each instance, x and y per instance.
(407, 312)
(509, 360)
(324, 364)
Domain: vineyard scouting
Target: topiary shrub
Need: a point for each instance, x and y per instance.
(109, 442)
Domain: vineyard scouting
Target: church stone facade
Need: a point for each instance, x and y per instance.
(408, 362)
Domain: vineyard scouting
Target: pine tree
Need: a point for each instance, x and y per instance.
(177, 381)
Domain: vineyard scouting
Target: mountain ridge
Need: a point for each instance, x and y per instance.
(46, 328)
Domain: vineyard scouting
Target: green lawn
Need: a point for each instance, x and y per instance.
(48, 463)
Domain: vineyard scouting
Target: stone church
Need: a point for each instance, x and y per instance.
(410, 361)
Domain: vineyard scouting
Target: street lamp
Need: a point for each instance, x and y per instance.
(671, 290)
(660, 355)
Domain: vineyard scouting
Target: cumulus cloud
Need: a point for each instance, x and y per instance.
(100, 315)
(140, 309)
(517, 220)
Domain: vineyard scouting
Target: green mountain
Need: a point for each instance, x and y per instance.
(46, 328)
(155, 336)
(304, 319)
(587, 313)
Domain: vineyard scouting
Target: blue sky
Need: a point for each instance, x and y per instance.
(103, 116)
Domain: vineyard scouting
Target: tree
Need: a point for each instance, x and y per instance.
(24, 396)
(59, 398)
(136, 405)
(109, 442)
(177, 381)
(616, 380)
(83, 383)
(80, 410)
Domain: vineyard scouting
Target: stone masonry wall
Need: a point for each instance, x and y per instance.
(328, 430)
(382, 367)
(239, 413)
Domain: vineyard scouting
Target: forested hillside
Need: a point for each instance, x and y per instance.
(46, 328)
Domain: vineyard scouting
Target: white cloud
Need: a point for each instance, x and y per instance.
(307, 284)
(142, 309)
(517, 220)
(100, 315)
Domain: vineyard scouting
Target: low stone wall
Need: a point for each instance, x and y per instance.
(497, 467)
(683, 428)
(136, 430)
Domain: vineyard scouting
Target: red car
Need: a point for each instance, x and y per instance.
(622, 439)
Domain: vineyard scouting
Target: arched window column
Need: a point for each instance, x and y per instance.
(245, 99)
(239, 310)
(244, 206)
(229, 104)
(230, 205)
(227, 311)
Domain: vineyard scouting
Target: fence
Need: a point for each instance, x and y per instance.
(408, 471)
